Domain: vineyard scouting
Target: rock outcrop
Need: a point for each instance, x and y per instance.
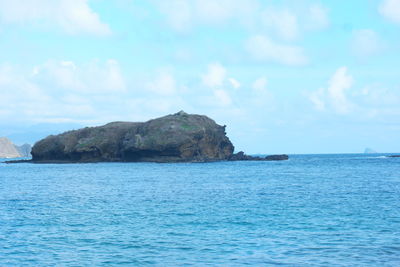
(174, 138)
(7, 149)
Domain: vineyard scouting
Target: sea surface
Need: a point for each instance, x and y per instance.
(313, 210)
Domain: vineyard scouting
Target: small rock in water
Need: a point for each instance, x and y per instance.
(242, 156)
(277, 157)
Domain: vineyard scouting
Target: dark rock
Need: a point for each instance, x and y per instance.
(240, 156)
(174, 138)
(277, 157)
(19, 161)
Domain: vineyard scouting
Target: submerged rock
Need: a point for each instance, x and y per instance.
(174, 138)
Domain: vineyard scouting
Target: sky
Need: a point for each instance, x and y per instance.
(299, 76)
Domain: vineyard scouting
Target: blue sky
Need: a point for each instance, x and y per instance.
(284, 76)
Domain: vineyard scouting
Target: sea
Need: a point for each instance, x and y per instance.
(312, 210)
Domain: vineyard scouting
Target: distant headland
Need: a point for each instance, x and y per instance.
(179, 137)
(10, 150)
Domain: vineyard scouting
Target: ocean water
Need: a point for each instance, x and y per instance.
(313, 210)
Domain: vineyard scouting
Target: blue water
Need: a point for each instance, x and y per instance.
(313, 210)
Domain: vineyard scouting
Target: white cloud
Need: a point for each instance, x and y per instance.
(339, 83)
(371, 101)
(390, 9)
(15, 87)
(61, 91)
(164, 84)
(317, 98)
(212, 11)
(235, 83)
(335, 94)
(216, 79)
(92, 77)
(182, 15)
(179, 14)
(366, 43)
(91, 93)
(270, 22)
(113, 78)
(262, 48)
(282, 21)
(287, 22)
(317, 18)
(23, 98)
(261, 96)
(222, 97)
(215, 75)
(260, 85)
(73, 16)
(377, 96)
(377, 101)
(63, 74)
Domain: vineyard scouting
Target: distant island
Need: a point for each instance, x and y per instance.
(179, 137)
(10, 150)
(369, 151)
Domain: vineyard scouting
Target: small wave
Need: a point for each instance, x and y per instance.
(378, 157)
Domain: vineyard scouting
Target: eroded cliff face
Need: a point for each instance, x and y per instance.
(180, 137)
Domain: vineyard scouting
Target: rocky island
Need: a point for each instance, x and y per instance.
(179, 137)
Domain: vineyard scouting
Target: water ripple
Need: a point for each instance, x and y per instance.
(314, 210)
